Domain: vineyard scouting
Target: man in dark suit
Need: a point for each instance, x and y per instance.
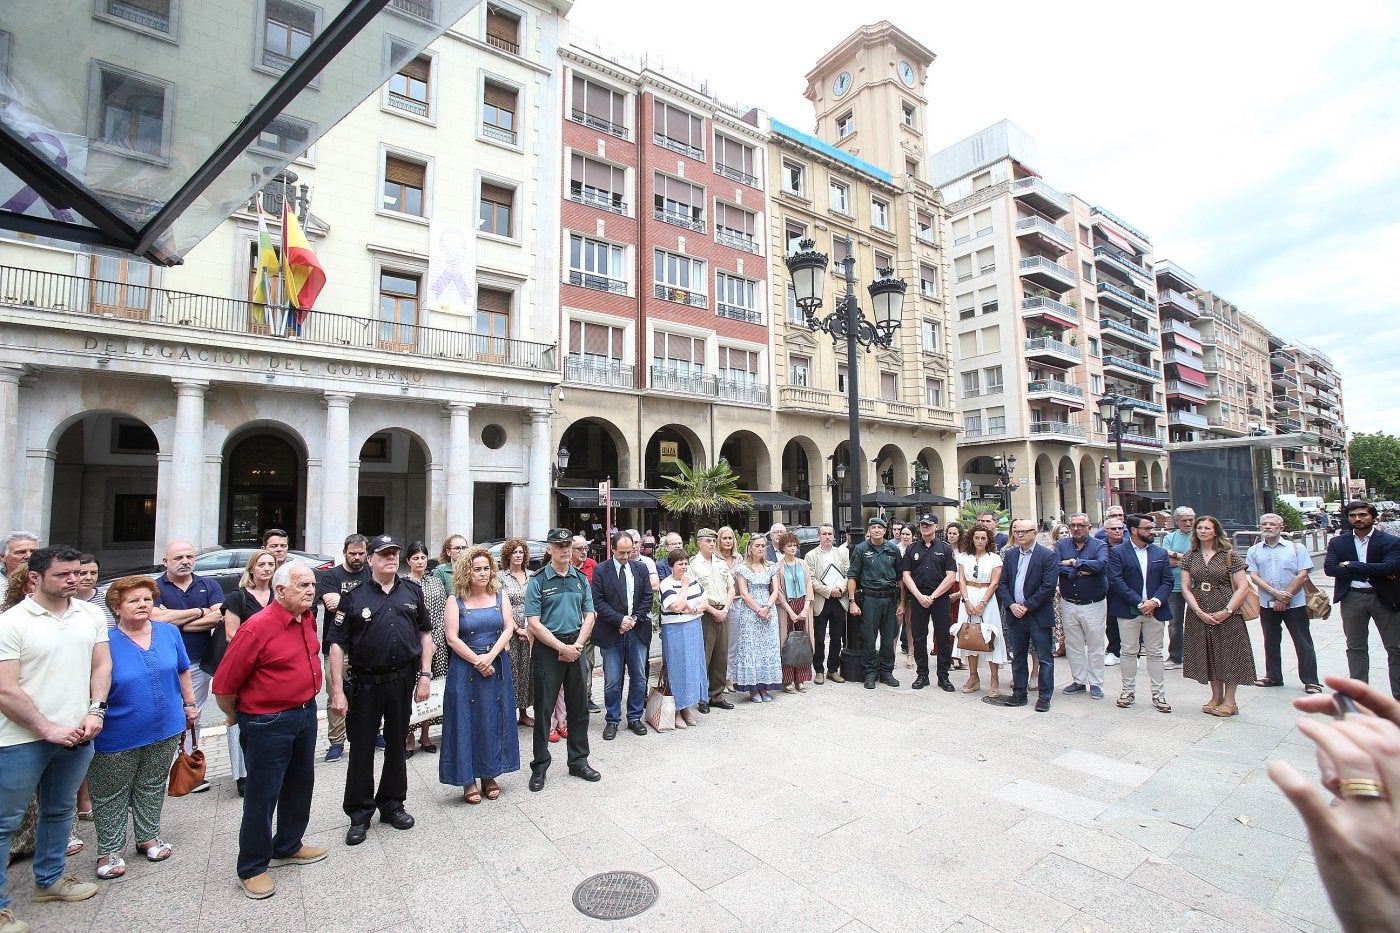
(1139, 587)
(622, 597)
(1027, 596)
(1365, 564)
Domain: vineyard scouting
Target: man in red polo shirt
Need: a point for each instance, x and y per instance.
(267, 683)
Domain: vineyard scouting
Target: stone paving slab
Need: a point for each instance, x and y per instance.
(839, 809)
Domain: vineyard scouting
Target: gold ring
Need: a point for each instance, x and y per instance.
(1363, 789)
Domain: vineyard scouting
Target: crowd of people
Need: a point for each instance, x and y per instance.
(94, 706)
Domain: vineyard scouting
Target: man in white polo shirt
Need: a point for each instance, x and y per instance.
(55, 671)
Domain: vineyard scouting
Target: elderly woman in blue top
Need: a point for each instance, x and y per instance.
(149, 708)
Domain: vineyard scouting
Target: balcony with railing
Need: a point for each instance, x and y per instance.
(683, 296)
(739, 313)
(1052, 351)
(1137, 440)
(900, 410)
(1040, 196)
(1285, 402)
(607, 373)
(1183, 358)
(734, 174)
(1186, 390)
(1225, 426)
(1050, 309)
(1047, 273)
(736, 240)
(1056, 391)
(1122, 224)
(142, 14)
(1130, 302)
(1175, 301)
(1128, 366)
(597, 283)
(500, 133)
(1123, 263)
(678, 219)
(1058, 430)
(504, 43)
(93, 305)
(697, 383)
(1288, 425)
(1048, 234)
(598, 123)
(1187, 419)
(1181, 329)
(603, 200)
(1142, 404)
(676, 145)
(805, 399)
(1112, 329)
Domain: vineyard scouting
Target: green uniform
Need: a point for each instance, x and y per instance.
(560, 600)
(876, 572)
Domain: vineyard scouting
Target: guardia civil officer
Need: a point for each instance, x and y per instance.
(559, 610)
(382, 633)
(873, 587)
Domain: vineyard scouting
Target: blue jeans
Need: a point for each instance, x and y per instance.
(56, 772)
(1021, 635)
(627, 651)
(280, 749)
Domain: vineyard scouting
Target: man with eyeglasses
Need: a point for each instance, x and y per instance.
(1177, 542)
(331, 587)
(1083, 605)
(1026, 593)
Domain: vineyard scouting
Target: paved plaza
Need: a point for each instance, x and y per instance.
(841, 809)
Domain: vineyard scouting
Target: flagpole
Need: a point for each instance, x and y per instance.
(286, 301)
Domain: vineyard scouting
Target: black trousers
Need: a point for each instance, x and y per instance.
(550, 674)
(1115, 638)
(939, 612)
(1300, 630)
(833, 618)
(370, 705)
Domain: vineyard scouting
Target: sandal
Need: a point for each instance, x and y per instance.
(1265, 682)
(472, 794)
(85, 816)
(157, 851)
(75, 845)
(1222, 711)
(973, 685)
(554, 734)
(526, 721)
(1312, 688)
(492, 789)
(428, 747)
(114, 869)
(1209, 708)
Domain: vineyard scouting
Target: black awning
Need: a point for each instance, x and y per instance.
(582, 497)
(878, 500)
(1156, 495)
(779, 501)
(921, 500)
(636, 498)
(586, 497)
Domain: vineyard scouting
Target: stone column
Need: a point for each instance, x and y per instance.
(539, 473)
(10, 443)
(181, 501)
(461, 491)
(337, 520)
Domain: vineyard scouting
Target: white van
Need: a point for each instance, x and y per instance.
(1303, 504)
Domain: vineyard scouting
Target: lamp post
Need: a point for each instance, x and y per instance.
(848, 321)
(1111, 408)
(1063, 477)
(1005, 469)
(563, 464)
(833, 482)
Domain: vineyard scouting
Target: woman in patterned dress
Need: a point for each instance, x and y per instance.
(515, 554)
(435, 599)
(1217, 647)
(758, 665)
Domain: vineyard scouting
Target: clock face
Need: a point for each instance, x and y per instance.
(906, 73)
(842, 84)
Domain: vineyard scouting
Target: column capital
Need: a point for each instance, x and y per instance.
(338, 399)
(13, 372)
(458, 408)
(186, 387)
(536, 415)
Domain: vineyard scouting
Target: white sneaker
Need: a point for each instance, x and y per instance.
(1170, 666)
(1109, 660)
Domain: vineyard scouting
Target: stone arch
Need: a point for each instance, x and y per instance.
(803, 473)
(937, 478)
(104, 490)
(394, 491)
(1090, 478)
(598, 450)
(749, 458)
(891, 457)
(690, 449)
(1046, 500)
(263, 483)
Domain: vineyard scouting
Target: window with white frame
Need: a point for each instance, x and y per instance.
(503, 28)
(736, 298)
(928, 281)
(499, 104)
(677, 130)
(799, 370)
(986, 261)
(597, 183)
(678, 354)
(994, 384)
(286, 32)
(906, 114)
(794, 178)
(962, 268)
(735, 160)
(843, 374)
(286, 135)
(880, 213)
(966, 308)
(839, 195)
(923, 223)
(132, 112)
(154, 16)
(889, 386)
(845, 124)
(599, 106)
(738, 366)
(932, 336)
(972, 424)
(409, 86)
(793, 234)
(883, 260)
(1096, 384)
(971, 384)
(405, 186)
(734, 227)
(596, 264)
(987, 300)
(679, 278)
(996, 420)
(679, 202)
(497, 208)
(596, 344)
(933, 392)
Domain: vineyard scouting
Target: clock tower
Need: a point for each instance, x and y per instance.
(869, 96)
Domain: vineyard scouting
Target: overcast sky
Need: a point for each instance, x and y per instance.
(1257, 144)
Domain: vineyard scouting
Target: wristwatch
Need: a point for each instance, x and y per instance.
(425, 674)
(98, 706)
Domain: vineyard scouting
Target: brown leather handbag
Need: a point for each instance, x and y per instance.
(970, 638)
(187, 771)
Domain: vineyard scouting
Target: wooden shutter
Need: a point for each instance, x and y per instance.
(502, 98)
(494, 300)
(401, 171)
(416, 69)
(497, 195)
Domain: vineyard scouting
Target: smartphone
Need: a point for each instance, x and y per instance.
(1344, 705)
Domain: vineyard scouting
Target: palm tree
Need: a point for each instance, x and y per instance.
(969, 511)
(704, 493)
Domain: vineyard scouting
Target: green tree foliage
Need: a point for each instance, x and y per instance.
(1292, 518)
(1376, 459)
(704, 494)
(968, 512)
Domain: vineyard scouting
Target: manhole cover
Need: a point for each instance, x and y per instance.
(615, 895)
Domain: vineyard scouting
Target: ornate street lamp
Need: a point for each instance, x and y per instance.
(1111, 408)
(1005, 469)
(563, 463)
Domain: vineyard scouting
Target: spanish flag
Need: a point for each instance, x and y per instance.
(302, 275)
(267, 263)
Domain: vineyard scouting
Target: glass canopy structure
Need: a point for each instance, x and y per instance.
(139, 125)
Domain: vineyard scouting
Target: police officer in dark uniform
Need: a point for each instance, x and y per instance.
(873, 586)
(559, 610)
(382, 633)
(929, 572)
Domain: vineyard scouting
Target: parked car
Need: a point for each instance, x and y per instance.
(539, 552)
(806, 538)
(223, 565)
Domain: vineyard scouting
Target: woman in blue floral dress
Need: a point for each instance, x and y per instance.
(758, 665)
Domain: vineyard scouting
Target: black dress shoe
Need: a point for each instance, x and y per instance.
(870, 682)
(357, 834)
(1042, 704)
(889, 680)
(537, 773)
(1016, 699)
(610, 731)
(242, 783)
(637, 727)
(594, 707)
(703, 706)
(721, 703)
(399, 819)
(920, 682)
(945, 684)
(585, 772)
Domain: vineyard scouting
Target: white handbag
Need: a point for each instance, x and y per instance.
(660, 710)
(431, 708)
